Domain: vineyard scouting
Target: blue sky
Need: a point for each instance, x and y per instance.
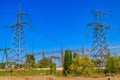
(59, 22)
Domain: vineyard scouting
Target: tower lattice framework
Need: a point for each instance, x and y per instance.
(18, 47)
(100, 46)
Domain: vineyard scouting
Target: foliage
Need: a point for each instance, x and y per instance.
(52, 68)
(108, 55)
(2, 65)
(70, 57)
(111, 65)
(76, 65)
(75, 54)
(30, 61)
(44, 63)
(82, 65)
(97, 62)
(67, 62)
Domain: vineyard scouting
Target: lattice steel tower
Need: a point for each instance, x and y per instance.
(18, 48)
(99, 44)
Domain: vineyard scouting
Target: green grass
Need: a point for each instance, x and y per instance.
(23, 72)
(4, 73)
(40, 72)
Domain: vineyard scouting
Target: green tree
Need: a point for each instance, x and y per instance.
(82, 65)
(76, 65)
(44, 63)
(52, 68)
(111, 65)
(30, 61)
(75, 54)
(67, 62)
(118, 64)
(70, 56)
(87, 65)
(2, 65)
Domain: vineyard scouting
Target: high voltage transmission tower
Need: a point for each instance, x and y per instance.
(99, 44)
(18, 47)
(5, 56)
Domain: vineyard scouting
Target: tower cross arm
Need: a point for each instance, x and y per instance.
(98, 25)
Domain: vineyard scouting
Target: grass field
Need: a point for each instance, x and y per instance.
(44, 77)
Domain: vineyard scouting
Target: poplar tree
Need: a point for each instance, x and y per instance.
(67, 62)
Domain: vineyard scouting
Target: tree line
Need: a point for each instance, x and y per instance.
(83, 65)
(74, 64)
